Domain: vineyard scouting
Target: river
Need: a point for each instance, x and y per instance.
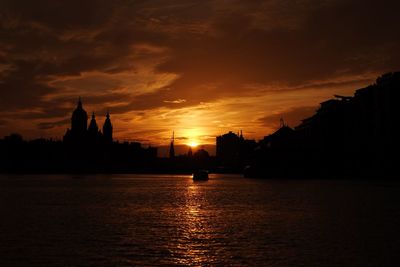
(158, 220)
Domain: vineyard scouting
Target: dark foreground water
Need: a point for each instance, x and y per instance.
(128, 220)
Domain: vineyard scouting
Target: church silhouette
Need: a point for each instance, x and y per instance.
(80, 133)
(86, 148)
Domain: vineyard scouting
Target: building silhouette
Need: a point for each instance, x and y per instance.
(228, 149)
(280, 138)
(348, 136)
(93, 129)
(233, 150)
(88, 148)
(108, 129)
(81, 134)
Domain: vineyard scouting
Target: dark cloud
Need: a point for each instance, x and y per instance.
(332, 39)
(50, 125)
(60, 15)
(22, 87)
(336, 39)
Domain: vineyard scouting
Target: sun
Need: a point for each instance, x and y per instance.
(193, 144)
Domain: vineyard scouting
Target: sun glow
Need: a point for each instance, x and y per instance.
(193, 144)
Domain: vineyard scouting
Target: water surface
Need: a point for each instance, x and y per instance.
(128, 220)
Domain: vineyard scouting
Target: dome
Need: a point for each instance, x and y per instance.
(79, 112)
(79, 120)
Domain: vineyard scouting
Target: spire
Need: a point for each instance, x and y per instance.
(79, 103)
(93, 128)
(108, 128)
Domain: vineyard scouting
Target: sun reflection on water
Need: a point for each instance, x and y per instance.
(195, 230)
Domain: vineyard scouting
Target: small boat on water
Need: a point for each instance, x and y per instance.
(200, 175)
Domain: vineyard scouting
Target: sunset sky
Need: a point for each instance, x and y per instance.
(200, 68)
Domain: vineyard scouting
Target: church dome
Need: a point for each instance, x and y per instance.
(79, 119)
(79, 112)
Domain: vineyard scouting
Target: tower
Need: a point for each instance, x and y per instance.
(171, 147)
(108, 129)
(79, 121)
(93, 129)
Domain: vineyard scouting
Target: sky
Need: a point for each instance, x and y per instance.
(199, 68)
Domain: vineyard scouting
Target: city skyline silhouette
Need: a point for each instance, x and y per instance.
(356, 134)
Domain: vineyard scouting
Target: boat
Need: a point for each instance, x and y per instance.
(200, 175)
